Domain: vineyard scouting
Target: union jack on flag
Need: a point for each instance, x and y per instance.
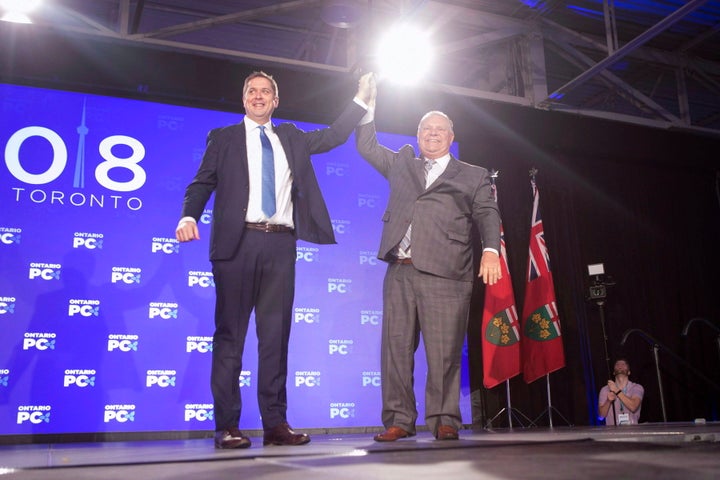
(539, 261)
(542, 348)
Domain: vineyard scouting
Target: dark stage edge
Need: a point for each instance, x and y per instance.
(648, 451)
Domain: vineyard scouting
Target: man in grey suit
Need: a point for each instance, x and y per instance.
(252, 245)
(427, 243)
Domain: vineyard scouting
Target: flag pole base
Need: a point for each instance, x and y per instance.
(548, 411)
(522, 419)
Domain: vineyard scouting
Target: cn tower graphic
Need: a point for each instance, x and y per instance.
(79, 181)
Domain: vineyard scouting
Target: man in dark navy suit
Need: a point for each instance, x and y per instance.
(252, 245)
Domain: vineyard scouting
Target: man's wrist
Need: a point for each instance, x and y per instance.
(358, 99)
(186, 219)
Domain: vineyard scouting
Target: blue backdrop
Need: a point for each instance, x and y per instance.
(106, 320)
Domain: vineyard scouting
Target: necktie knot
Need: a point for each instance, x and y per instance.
(429, 164)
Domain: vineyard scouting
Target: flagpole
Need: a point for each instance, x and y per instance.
(509, 406)
(549, 400)
(550, 407)
(510, 412)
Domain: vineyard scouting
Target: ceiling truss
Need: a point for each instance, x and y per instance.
(555, 66)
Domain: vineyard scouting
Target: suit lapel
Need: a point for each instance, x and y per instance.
(419, 169)
(240, 146)
(285, 142)
(451, 171)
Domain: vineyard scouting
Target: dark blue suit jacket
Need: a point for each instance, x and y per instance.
(224, 170)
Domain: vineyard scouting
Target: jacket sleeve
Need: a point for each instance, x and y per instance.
(324, 139)
(203, 184)
(379, 156)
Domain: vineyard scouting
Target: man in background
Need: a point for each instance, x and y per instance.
(620, 400)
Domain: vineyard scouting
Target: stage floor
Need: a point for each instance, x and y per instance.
(649, 451)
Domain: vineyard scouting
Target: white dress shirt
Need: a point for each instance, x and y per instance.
(283, 178)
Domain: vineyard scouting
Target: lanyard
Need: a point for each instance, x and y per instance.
(622, 405)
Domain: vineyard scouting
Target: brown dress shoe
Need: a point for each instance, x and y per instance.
(392, 434)
(231, 438)
(283, 434)
(446, 432)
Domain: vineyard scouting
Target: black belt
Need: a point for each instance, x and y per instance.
(268, 227)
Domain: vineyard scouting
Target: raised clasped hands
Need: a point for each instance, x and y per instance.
(367, 89)
(612, 388)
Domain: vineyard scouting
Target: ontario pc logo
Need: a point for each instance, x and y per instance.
(45, 271)
(35, 414)
(39, 341)
(200, 412)
(160, 378)
(123, 343)
(87, 240)
(119, 413)
(79, 378)
(83, 307)
(7, 305)
(126, 275)
(10, 236)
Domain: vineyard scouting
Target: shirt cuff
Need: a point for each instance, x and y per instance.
(488, 249)
(369, 115)
(187, 219)
(361, 103)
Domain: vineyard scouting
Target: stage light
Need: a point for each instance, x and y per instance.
(17, 11)
(404, 55)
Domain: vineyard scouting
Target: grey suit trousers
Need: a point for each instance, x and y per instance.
(415, 301)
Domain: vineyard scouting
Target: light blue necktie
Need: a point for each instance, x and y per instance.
(268, 175)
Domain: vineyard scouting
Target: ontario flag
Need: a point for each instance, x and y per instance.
(500, 326)
(542, 348)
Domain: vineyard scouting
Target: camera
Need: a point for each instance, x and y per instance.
(598, 289)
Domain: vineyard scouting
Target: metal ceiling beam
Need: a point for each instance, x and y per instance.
(699, 39)
(124, 17)
(535, 67)
(96, 26)
(482, 40)
(619, 83)
(138, 15)
(633, 44)
(483, 20)
(594, 43)
(234, 17)
(498, 29)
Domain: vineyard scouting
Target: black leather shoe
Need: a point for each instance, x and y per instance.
(283, 434)
(231, 438)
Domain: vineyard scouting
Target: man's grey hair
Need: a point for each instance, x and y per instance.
(436, 112)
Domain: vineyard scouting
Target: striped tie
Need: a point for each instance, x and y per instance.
(405, 242)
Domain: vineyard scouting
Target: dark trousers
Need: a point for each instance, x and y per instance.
(261, 276)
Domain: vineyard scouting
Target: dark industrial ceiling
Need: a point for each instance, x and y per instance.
(654, 63)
